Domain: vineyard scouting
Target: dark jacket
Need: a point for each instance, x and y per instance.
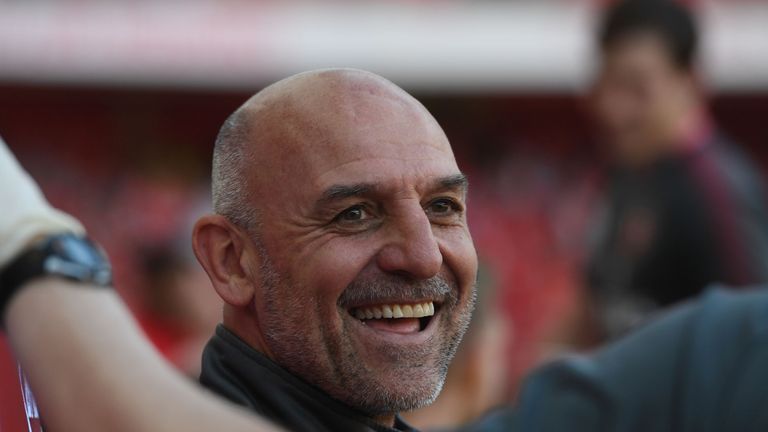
(241, 374)
(701, 368)
(675, 227)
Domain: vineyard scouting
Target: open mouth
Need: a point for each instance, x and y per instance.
(403, 318)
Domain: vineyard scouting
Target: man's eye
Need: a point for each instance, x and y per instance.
(352, 214)
(443, 206)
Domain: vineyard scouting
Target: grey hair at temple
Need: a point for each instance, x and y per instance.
(229, 181)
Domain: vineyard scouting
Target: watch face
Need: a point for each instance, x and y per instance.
(78, 258)
(79, 250)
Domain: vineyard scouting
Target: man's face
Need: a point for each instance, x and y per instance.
(363, 217)
(638, 97)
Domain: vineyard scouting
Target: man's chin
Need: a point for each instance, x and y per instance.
(404, 371)
(397, 396)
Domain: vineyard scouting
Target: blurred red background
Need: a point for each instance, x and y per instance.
(126, 147)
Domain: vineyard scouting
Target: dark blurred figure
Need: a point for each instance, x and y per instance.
(684, 206)
(178, 310)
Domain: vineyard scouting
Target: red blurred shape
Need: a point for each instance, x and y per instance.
(13, 415)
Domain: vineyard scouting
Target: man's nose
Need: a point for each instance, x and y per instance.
(411, 248)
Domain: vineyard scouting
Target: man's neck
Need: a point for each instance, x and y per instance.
(244, 326)
(247, 330)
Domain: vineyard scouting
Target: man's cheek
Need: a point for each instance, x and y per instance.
(459, 256)
(327, 277)
(339, 262)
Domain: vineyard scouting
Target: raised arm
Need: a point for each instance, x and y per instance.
(87, 362)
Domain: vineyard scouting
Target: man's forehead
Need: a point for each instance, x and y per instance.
(324, 104)
(383, 178)
(342, 127)
(362, 155)
(318, 139)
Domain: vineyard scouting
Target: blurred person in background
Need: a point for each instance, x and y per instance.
(179, 307)
(176, 305)
(685, 207)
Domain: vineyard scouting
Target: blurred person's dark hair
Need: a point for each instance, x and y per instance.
(666, 19)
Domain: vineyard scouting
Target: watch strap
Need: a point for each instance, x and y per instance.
(24, 268)
(55, 256)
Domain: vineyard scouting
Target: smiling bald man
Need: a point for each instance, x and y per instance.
(340, 247)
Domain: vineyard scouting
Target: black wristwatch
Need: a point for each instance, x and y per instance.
(69, 256)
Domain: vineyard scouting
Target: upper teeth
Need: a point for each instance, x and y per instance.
(418, 310)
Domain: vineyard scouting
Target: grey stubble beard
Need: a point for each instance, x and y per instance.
(335, 367)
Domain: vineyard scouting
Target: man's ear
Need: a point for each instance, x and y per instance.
(220, 247)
